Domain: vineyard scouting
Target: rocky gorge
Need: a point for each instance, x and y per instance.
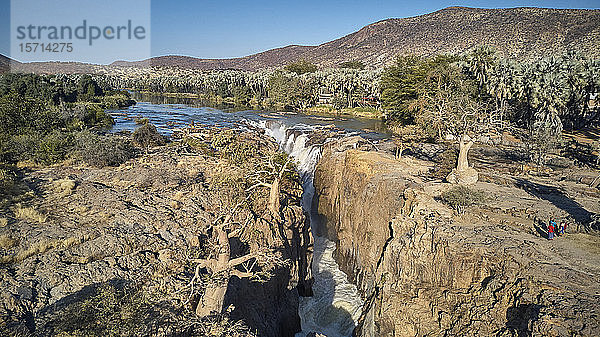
(141, 234)
(424, 271)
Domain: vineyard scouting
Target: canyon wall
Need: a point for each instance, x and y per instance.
(424, 271)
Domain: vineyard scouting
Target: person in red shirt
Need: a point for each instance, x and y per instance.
(551, 227)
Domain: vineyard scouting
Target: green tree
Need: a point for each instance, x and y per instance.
(448, 107)
(479, 63)
(399, 87)
(87, 88)
(288, 90)
(353, 65)
(301, 67)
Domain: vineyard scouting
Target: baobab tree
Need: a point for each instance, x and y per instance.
(257, 264)
(447, 106)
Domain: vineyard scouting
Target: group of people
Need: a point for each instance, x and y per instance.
(553, 227)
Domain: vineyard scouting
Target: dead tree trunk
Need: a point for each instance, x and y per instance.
(273, 204)
(274, 192)
(221, 269)
(214, 294)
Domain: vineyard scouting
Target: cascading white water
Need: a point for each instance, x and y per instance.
(336, 304)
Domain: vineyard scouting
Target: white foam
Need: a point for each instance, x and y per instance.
(336, 304)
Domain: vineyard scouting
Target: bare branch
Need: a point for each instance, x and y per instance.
(239, 260)
(259, 184)
(241, 274)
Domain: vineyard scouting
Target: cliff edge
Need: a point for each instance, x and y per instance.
(425, 271)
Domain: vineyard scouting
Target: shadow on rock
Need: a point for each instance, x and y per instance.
(254, 302)
(518, 318)
(557, 198)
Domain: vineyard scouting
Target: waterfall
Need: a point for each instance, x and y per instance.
(336, 304)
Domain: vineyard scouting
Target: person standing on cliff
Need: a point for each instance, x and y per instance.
(561, 228)
(551, 226)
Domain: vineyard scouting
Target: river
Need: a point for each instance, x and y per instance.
(336, 304)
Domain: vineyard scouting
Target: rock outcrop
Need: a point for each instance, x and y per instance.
(423, 271)
(143, 222)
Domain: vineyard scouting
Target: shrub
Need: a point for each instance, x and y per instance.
(19, 115)
(102, 151)
(117, 309)
(142, 121)
(199, 145)
(146, 136)
(53, 148)
(7, 241)
(20, 147)
(41, 148)
(29, 214)
(353, 65)
(116, 101)
(8, 180)
(223, 139)
(110, 310)
(86, 115)
(301, 67)
(233, 148)
(460, 197)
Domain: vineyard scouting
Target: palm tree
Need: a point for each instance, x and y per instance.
(480, 63)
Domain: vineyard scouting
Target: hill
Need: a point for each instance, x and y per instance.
(518, 33)
(515, 32)
(6, 63)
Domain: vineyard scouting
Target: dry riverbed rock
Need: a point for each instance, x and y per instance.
(142, 223)
(425, 271)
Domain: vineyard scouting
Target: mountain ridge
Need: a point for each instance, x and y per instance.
(537, 32)
(516, 33)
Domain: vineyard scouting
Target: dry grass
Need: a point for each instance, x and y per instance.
(90, 258)
(178, 196)
(7, 241)
(42, 247)
(589, 243)
(3, 222)
(29, 214)
(81, 209)
(64, 187)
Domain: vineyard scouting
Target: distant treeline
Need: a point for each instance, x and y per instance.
(561, 85)
(298, 86)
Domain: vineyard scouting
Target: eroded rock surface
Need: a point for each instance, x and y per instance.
(424, 271)
(144, 221)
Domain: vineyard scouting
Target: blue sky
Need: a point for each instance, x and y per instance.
(223, 29)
